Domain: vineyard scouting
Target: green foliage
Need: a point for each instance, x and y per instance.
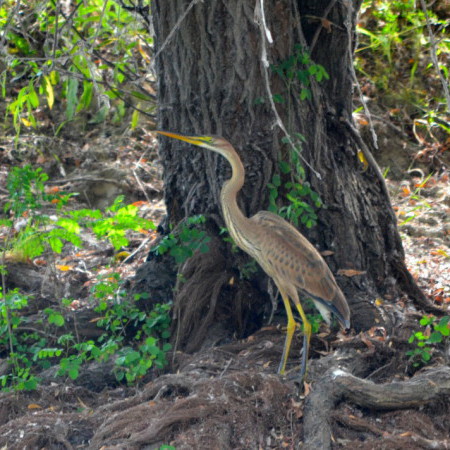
(58, 58)
(248, 270)
(315, 319)
(23, 349)
(394, 49)
(297, 70)
(134, 355)
(121, 219)
(289, 186)
(119, 318)
(182, 244)
(131, 335)
(426, 342)
(26, 188)
(416, 198)
(296, 192)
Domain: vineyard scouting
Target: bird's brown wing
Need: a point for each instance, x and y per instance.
(300, 264)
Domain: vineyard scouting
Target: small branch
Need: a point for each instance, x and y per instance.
(260, 20)
(433, 54)
(172, 32)
(356, 137)
(319, 28)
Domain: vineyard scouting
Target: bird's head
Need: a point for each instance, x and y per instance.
(213, 143)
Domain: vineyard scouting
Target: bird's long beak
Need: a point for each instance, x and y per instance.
(195, 140)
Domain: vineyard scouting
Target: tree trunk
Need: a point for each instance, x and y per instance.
(212, 80)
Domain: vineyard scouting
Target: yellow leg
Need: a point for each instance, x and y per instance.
(307, 330)
(291, 325)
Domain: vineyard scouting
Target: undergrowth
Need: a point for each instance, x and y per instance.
(137, 340)
(396, 54)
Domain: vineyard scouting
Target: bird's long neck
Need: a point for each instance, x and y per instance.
(235, 220)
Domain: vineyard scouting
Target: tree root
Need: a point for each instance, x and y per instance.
(337, 385)
(394, 441)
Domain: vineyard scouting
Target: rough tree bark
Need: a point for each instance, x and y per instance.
(212, 81)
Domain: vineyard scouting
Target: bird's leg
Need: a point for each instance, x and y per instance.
(291, 325)
(307, 330)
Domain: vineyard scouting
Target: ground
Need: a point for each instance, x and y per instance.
(230, 396)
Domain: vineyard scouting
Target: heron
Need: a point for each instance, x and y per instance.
(281, 250)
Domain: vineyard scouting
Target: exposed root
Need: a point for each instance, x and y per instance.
(337, 385)
(220, 401)
(202, 279)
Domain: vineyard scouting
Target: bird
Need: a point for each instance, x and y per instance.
(281, 250)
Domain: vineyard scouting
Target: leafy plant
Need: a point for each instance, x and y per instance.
(290, 185)
(299, 68)
(415, 198)
(38, 232)
(70, 70)
(131, 336)
(395, 47)
(118, 220)
(427, 341)
(30, 232)
(24, 349)
(297, 192)
(182, 243)
(122, 318)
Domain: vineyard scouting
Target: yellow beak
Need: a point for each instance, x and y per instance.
(195, 140)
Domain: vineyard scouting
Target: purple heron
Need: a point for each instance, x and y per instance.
(283, 252)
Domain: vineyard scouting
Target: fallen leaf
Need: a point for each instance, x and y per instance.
(52, 190)
(406, 191)
(362, 121)
(440, 252)
(140, 203)
(307, 388)
(34, 406)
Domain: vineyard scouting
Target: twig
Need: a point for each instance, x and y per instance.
(433, 55)
(260, 20)
(172, 32)
(319, 28)
(368, 155)
(93, 179)
(358, 86)
(226, 368)
(138, 181)
(141, 245)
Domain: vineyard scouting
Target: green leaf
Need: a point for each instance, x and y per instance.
(435, 337)
(68, 224)
(49, 91)
(277, 98)
(32, 96)
(73, 373)
(284, 167)
(86, 96)
(305, 94)
(71, 97)
(276, 180)
(142, 96)
(135, 119)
